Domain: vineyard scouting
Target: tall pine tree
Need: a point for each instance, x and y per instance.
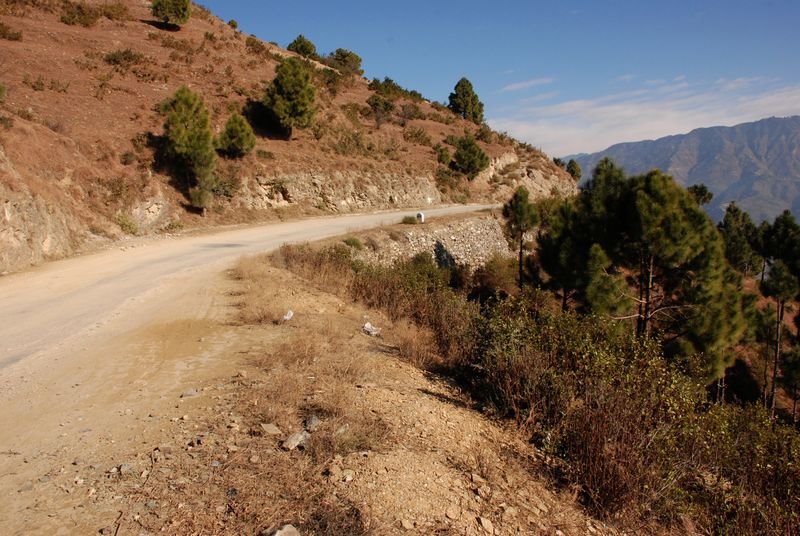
(291, 95)
(465, 102)
(521, 218)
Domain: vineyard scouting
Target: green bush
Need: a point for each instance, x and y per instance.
(126, 224)
(469, 158)
(301, 45)
(10, 35)
(348, 63)
(409, 220)
(3, 92)
(442, 154)
(174, 12)
(237, 139)
(233, 24)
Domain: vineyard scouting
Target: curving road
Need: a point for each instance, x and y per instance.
(43, 307)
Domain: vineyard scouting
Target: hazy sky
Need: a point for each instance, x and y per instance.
(566, 75)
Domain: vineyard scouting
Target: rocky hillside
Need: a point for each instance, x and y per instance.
(755, 164)
(79, 132)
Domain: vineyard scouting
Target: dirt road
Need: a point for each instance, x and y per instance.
(96, 350)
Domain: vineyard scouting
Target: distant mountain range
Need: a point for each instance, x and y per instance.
(755, 164)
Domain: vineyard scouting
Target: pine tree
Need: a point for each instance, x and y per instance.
(190, 141)
(469, 158)
(175, 12)
(291, 95)
(739, 234)
(238, 138)
(521, 218)
(701, 193)
(347, 62)
(301, 45)
(791, 377)
(465, 102)
(574, 169)
(605, 291)
(651, 228)
(783, 286)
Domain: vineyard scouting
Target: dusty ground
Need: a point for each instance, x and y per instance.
(153, 421)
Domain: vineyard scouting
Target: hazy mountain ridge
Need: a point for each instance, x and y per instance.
(755, 164)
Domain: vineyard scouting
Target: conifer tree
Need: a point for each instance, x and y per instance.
(783, 286)
(700, 193)
(238, 138)
(469, 158)
(174, 12)
(291, 95)
(739, 234)
(574, 169)
(650, 228)
(465, 102)
(347, 62)
(605, 291)
(187, 129)
(301, 45)
(521, 218)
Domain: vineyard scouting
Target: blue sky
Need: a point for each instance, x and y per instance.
(566, 76)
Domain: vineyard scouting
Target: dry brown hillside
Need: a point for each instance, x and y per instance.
(79, 120)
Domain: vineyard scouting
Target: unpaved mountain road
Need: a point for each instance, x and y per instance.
(48, 305)
(95, 352)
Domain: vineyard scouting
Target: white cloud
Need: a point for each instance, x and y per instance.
(625, 78)
(527, 84)
(588, 125)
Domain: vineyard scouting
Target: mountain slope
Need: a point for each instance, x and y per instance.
(79, 132)
(755, 164)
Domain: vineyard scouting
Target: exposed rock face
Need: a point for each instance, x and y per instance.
(339, 191)
(32, 229)
(472, 241)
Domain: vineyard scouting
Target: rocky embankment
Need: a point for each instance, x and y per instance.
(471, 240)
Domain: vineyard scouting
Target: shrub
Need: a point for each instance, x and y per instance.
(348, 63)
(124, 59)
(175, 12)
(36, 85)
(127, 158)
(391, 90)
(417, 135)
(301, 45)
(3, 92)
(484, 134)
(9, 34)
(79, 14)
(330, 79)
(411, 111)
(469, 158)
(255, 46)
(126, 224)
(233, 24)
(442, 154)
(6, 121)
(409, 220)
(381, 109)
(265, 155)
(354, 243)
(238, 138)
